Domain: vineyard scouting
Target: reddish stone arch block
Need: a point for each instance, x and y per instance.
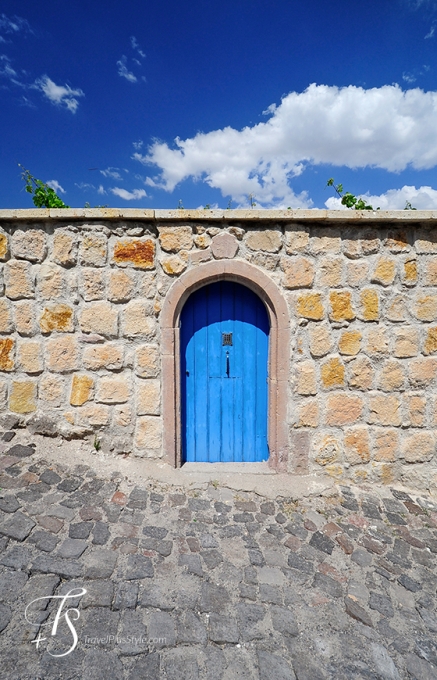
(279, 352)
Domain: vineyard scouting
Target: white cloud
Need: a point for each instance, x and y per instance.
(101, 190)
(380, 127)
(112, 172)
(13, 25)
(54, 184)
(135, 46)
(424, 198)
(124, 72)
(134, 195)
(60, 95)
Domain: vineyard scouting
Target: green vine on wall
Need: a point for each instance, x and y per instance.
(43, 195)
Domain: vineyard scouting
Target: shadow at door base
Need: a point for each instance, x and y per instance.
(229, 468)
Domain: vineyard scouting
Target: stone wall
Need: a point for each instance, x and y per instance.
(82, 292)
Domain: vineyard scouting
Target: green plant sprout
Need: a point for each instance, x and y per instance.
(348, 199)
(43, 195)
(180, 205)
(252, 202)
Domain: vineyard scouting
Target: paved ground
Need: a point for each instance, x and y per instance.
(210, 583)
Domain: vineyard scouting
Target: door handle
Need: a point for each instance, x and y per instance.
(227, 364)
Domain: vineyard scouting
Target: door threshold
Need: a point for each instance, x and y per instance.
(229, 468)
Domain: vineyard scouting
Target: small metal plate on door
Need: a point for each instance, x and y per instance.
(227, 339)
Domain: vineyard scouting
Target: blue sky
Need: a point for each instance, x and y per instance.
(146, 104)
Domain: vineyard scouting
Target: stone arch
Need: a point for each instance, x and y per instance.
(278, 362)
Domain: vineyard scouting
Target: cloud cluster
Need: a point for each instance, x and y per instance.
(54, 184)
(60, 95)
(134, 195)
(423, 198)
(122, 63)
(382, 127)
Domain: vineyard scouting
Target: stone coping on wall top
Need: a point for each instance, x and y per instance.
(326, 216)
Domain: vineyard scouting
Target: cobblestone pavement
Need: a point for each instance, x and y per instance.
(211, 584)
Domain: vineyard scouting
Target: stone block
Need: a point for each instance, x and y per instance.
(138, 320)
(199, 256)
(174, 264)
(426, 241)
(299, 449)
(357, 445)
(328, 449)
(147, 361)
(419, 447)
(121, 285)
(57, 317)
(309, 306)
(174, 239)
(108, 356)
(139, 253)
(297, 239)
(93, 250)
(325, 241)
(81, 389)
(392, 376)
(4, 246)
(430, 346)
(350, 343)
(306, 378)
(267, 240)
(406, 342)
(320, 340)
(29, 357)
(148, 397)
(122, 415)
(298, 272)
(19, 280)
(25, 320)
(341, 306)
(376, 342)
(357, 273)
(224, 246)
(384, 272)
(92, 284)
(385, 444)
(6, 325)
(3, 393)
(330, 272)
(343, 409)
(308, 414)
(385, 410)
(425, 308)
(409, 272)
(22, 397)
(422, 372)
(361, 374)
(332, 373)
(397, 241)
(113, 390)
(29, 244)
(52, 389)
(96, 415)
(50, 281)
(396, 308)
(148, 435)
(416, 405)
(369, 304)
(61, 352)
(430, 273)
(99, 317)
(64, 247)
(203, 241)
(7, 362)
(370, 241)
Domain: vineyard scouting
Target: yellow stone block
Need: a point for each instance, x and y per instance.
(426, 307)
(22, 398)
(6, 354)
(332, 373)
(350, 342)
(3, 246)
(310, 306)
(81, 389)
(369, 304)
(410, 272)
(431, 340)
(57, 317)
(430, 278)
(341, 306)
(385, 271)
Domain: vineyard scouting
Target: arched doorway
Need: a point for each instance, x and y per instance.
(278, 361)
(224, 333)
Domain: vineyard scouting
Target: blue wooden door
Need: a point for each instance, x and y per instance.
(224, 350)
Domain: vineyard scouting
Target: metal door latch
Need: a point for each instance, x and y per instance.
(226, 339)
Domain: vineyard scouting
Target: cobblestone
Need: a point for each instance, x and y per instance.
(215, 585)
